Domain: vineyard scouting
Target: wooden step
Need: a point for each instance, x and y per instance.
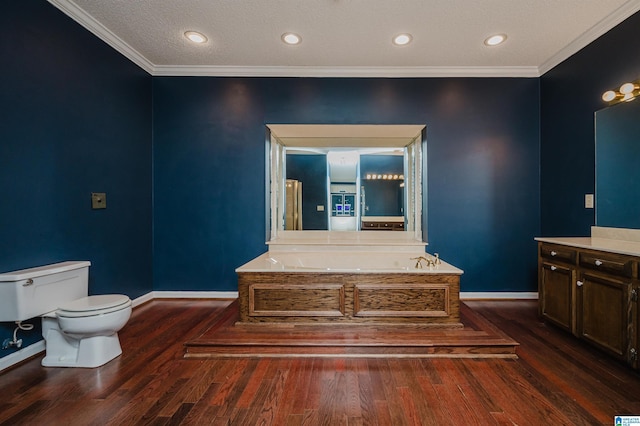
(476, 337)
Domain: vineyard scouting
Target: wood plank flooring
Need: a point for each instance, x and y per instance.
(556, 380)
(476, 339)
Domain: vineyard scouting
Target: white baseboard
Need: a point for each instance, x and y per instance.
(195, 295)
(142, 299)
(471, 295)
(19, 356)
(36, 348)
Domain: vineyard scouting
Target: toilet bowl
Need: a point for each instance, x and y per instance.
(84, 332)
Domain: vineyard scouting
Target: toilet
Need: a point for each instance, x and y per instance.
(79, 330)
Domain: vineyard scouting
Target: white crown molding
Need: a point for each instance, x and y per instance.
(103, 33)
(622, 13)
(356, 72)
(99, 30)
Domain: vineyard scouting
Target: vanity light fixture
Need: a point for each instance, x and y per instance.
(291, 38)
(196, 37)
(389, 176)
(495, 39)
(625, 93)
(402, 39)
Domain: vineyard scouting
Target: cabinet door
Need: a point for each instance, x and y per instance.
(604, 314)
(556, 294)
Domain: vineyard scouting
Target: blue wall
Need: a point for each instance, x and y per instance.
(75, 119)
(570, 95)
(311, 170)
(209, 168)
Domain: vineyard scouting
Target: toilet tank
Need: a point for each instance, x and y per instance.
(30, 293)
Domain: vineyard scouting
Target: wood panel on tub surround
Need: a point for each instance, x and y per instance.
(427, 299)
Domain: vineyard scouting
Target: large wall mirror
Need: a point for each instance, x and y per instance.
(617, 166)
(340, 178)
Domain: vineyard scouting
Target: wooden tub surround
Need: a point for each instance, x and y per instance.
(396, 292)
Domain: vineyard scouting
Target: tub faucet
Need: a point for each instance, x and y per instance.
(419, 260)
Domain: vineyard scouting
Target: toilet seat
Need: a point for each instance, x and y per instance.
(94, 305)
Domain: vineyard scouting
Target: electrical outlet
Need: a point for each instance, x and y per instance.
(98, 200)
(588, 201)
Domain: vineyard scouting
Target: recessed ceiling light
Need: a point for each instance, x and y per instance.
(291, 38)
(402, 39)
(495, 40)
(196, 37)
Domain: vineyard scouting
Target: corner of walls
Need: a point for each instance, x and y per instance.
(570, 94)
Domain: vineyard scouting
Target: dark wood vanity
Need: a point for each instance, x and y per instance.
(592, 293)
(382, 225)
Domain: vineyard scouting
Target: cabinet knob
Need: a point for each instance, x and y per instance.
(553, 268)
(598, 262)
(580, 283)
(553, 253)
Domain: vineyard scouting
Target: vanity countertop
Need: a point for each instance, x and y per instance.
(631, 248)
(382, 219)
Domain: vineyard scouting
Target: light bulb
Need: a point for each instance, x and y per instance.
(627, 88)
(291, 38)
(195, 37)
(628, 97)
(402, 39)
(609, 95)
(495, 40)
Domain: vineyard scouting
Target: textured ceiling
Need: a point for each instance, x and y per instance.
(348, 37)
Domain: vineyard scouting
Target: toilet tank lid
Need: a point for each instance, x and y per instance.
(55, 268)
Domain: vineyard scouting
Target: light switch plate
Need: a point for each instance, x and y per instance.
(98, 200)
(588, 201)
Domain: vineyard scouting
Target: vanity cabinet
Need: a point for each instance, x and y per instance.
(593, 295)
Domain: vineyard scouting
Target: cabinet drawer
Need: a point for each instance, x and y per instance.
(558, 253)
(620, 265)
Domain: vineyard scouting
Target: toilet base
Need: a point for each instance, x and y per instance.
(89, 352)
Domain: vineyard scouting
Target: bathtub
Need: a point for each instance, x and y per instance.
(353, 262)
(340, 287)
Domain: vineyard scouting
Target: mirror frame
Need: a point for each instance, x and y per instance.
(616, 189)
(358, 135)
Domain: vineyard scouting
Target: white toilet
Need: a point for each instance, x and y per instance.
(79, 330)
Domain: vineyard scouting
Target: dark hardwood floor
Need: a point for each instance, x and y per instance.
(556, 380)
